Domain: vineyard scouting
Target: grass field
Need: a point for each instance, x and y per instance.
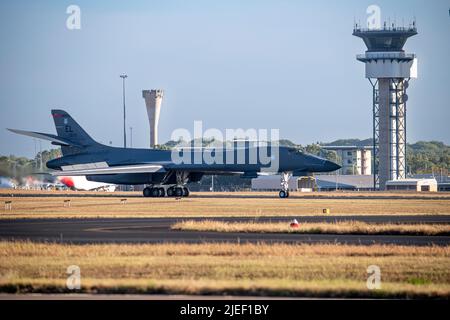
(221, 204)
(240, 269)
(246, 269)
(343, 227)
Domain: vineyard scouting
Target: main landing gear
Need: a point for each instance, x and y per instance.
(154, 192)
(284, 192)
(175, 191)
(178, 192)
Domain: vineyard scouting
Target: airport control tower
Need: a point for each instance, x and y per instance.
(389, 70)
(153, 99)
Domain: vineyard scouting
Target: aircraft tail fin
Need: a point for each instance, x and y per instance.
(71, 137)
(69, 130)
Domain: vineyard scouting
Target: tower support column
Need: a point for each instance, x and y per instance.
(153, 100)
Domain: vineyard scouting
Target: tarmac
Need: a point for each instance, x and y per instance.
(158, 230)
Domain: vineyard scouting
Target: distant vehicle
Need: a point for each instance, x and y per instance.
(82, 156)
(37, 182)
(82, 184)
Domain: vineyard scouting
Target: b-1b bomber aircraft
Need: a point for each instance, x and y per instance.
(166, 172)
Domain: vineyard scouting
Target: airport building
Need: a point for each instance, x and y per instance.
(321, 182)
(344, 182)
(420, 185)
(442, 178)
(354, 160)
(444, 186)
(324, 182)
(272, 183)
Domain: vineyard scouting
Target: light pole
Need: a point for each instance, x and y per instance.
(124, 76)
(35, 154)
(131, 137)
(337, 180)
(40, 156)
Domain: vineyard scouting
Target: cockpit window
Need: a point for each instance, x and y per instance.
(296, 151)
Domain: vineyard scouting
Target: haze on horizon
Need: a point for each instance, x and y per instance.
(288, 65)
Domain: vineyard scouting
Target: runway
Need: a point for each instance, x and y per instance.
(157, 230)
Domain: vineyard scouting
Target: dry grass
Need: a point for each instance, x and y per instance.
(217, 204)
(344, 227)
(247, 269)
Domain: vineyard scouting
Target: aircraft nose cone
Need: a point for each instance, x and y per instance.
(330, 166)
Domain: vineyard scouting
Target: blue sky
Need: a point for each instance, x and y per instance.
(232, 64)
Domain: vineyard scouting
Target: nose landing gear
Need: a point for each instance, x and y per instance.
(284, 192)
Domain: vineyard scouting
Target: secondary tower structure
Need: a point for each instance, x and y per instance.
(389, 70)
(153, 100)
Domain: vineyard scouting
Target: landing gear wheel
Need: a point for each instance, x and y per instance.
(283, 194)
(285, 176)
(155, 192)
(170, 192)
(185, 192)
(179, 192)
(147, 192)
